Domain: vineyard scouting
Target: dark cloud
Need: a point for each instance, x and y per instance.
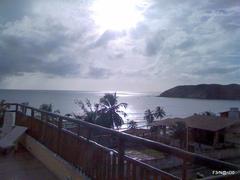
(220, 4)
(153, 46)
(10, 67)
(35, 51)
(98, 73)
(14, 10)
(217, 70)
(106, 37)
(189, 43)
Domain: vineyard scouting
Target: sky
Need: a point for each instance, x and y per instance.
(127, 45)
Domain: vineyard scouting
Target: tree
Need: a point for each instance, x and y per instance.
(46, 107)
(132, 124)
(205, 113)
(90, 113)
(180, 132)
(110, 110)
(149, 116)
(70, 115)
(208, 113)
(159, 112)
(57, 111)
(106, 113)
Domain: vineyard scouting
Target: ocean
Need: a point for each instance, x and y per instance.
(137, 102)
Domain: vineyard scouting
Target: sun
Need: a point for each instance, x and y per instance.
(117, 14)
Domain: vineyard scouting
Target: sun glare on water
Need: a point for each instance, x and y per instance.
(117, 14)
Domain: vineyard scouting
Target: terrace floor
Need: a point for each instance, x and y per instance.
(23, 166)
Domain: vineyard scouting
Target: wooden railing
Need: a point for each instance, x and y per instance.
(78, 143)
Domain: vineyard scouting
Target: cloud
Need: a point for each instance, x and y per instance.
(98, 73)
(154, 43)
(106, 37)
(188, 38)
(31, 45)
(218, 70)
(176, 43)
(14, 10)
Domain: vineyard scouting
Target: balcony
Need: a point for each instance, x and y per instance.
(96, 152)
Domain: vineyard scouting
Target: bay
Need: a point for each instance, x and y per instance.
(137, 102)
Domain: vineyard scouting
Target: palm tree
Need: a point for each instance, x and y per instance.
(180, 132)
(159, 112)
(90, 111)
(109, 114)
(148, 116)
(132, 124)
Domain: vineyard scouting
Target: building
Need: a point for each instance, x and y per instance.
(233, 113)
(208, 130)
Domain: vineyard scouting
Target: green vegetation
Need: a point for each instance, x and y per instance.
(179, 131)
(48, 108)
(106, 113)
(205, 91)
(159, 112)
(206, 113)
(90, 112)
(150, 116)
(132, 124)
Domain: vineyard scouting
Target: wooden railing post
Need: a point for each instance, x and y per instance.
(185, 163)
(16, 116)
(32, 113)
(121, 152)
(59, 134)
(60, 124)
(32, 117)
(16, 108)
(184, 170)
(78, 129)
(44, 123)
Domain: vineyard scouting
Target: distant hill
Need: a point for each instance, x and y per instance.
(205, 91)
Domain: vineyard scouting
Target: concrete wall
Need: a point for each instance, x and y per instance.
(62, 169)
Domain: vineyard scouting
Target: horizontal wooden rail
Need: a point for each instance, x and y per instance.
(53, 135)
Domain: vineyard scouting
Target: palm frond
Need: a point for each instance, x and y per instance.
(124, 105)
(89, 105)
(117, 120)
(81, 105)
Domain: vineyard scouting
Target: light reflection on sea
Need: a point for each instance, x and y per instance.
(137, 102)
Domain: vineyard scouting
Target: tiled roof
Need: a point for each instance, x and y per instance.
(211, 123)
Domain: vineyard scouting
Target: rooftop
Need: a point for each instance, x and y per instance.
(210, 123)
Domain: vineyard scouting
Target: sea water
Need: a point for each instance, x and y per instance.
(137, 102)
